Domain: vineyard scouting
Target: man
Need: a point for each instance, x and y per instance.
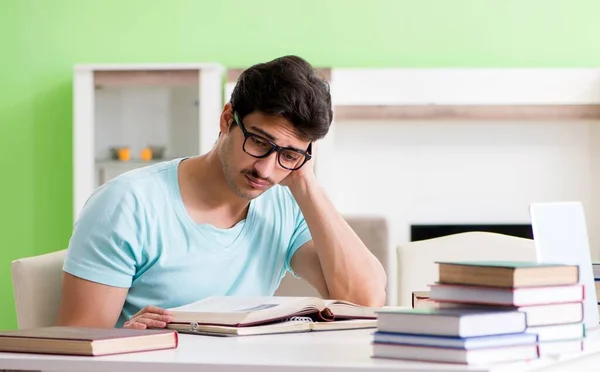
(229, 222)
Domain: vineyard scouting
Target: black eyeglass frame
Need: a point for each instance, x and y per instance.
(274, 147)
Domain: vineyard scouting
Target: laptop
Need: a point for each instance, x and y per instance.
(560, 235)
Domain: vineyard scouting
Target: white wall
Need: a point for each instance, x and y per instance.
(184, 132)
(460, 171)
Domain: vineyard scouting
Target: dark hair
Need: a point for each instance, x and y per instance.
(287, 86)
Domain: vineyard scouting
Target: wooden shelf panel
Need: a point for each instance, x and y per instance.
(494, 112)
(146, 78)
(234, 73)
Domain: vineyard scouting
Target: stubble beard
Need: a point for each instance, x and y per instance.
(230, 176)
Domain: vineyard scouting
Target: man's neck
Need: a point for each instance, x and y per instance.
(206, 195)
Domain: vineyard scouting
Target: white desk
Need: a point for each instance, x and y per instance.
(310, 352)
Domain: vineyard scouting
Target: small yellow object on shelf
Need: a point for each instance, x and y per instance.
(120, 153)
(146, 154)
(124, 154)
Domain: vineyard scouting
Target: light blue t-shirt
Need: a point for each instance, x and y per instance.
(134, 232)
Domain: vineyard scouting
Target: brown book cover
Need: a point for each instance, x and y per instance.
(507, 274)
(86, 341)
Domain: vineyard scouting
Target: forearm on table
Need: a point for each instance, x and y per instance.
(350, 270)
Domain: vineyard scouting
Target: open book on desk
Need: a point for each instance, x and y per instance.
(232, 315)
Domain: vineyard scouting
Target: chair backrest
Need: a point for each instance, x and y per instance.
(37, 285)
(373, 231)
(416, 268)
(37, 280)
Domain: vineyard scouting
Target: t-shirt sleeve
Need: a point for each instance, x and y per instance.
(105, 245)
(300, 236)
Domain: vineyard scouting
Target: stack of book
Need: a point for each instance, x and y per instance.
(488, 312)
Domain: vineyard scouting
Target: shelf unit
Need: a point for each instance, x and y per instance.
(411, 110)
(173, 108)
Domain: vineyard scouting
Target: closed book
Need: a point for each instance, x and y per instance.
(455, 322)
(506, 296)
(461, 356)
(537, 315)
(561, 332)
(507, 274)
(548, 348)
(86, 341)
(479, 342)
(596, 269)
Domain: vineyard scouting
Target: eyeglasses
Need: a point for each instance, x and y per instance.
(260, 147)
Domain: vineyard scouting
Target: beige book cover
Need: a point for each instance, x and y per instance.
(86, 341)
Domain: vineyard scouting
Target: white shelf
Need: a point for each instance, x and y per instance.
(127, 163)
(175, 106)
(109, 169)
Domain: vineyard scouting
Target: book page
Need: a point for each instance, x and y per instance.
(230, 304)
(349, 309)
(344, 324)
(233, 310)
(273, 328)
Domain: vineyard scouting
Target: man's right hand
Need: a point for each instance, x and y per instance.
(149, 317)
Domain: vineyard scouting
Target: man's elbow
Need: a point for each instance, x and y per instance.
(371, 298)
(377, 295)
(377, 299)
(374, 295)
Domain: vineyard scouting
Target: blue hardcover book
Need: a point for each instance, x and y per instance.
(467, 343)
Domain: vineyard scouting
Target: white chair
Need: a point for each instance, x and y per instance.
(416, 260)
(374, 232)
(37, 281)
(37, 285)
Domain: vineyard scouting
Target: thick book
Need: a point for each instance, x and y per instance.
(507, 296)
(467, 343)
(86, 341)
(461, 356)
(547, 348)
(596, 269)
(537, 315)
(455, 322)
(507, 274)
(559, 332)
(274, 314)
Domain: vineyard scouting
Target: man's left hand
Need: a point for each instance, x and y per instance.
(301, 177)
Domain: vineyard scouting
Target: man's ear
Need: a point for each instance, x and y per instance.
(226, 118)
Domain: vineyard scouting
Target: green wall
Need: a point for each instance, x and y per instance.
(40, 40)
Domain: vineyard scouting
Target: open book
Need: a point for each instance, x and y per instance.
(264, 315)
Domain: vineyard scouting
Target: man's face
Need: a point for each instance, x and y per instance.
(249, 176)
